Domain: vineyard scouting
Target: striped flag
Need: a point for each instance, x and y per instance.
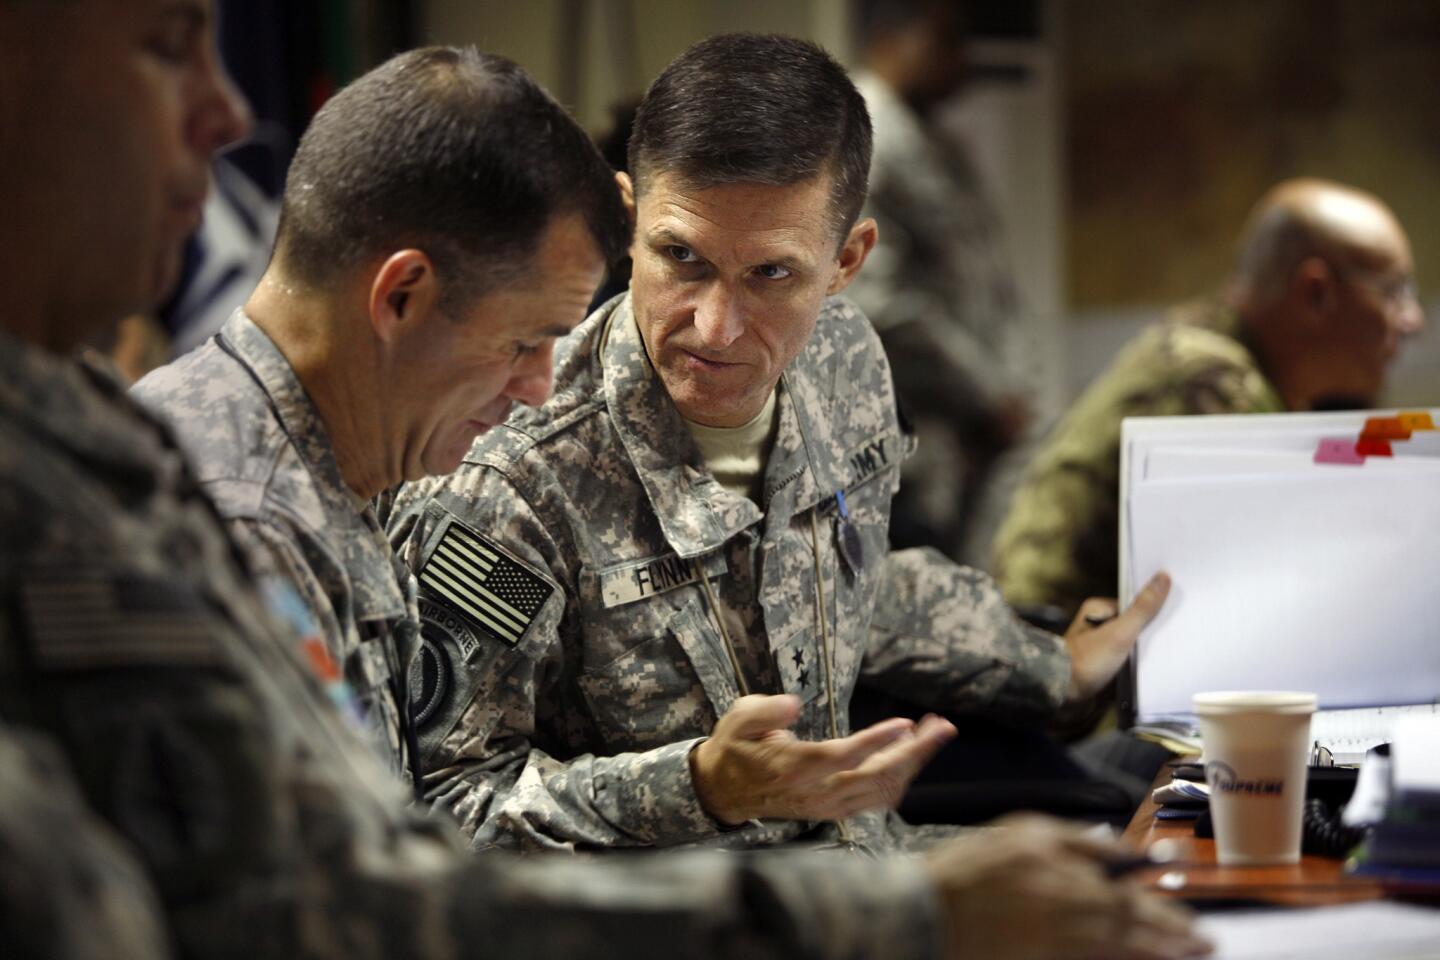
(471, 575)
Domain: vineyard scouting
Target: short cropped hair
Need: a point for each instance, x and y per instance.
(752, 108)
(450, 151)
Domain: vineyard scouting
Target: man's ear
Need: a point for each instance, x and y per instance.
(403, 292)
(1315, 286)
(627, 197)
(858, 244)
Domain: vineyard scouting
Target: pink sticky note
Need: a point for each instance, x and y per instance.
(1337, 450)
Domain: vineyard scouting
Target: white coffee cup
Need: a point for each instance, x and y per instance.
(1256, 745)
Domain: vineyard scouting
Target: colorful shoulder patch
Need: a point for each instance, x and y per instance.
(478, 579)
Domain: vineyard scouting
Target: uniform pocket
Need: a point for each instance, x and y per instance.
(649, 696)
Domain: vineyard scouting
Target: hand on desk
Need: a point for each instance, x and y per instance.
(754, 767)
(1038, 888)
(1099, 640)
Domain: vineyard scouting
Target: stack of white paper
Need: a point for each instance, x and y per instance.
(1375, 931)
(1288, 574)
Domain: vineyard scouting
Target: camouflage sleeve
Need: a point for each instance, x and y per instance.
(68, 888)
(269, 830)
(273, 553)
(502, 744)
(943, 637)
(788, 904)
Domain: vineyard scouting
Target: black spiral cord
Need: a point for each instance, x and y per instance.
(1324, 835)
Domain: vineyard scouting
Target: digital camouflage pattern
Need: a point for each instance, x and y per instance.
(131, 634)
(578, 733)
(69, 890)
(1059, 542)
(263, 456)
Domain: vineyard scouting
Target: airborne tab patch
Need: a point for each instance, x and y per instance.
(475, 577)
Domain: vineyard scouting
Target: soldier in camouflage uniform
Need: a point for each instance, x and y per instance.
(132, 635)
(1320, 298)
(939, 286)
(293, 458)
(261, 454)
(596, 601)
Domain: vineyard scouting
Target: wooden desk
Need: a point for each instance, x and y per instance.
(1196, 876)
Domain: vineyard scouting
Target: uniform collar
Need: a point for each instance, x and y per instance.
(353, 530)
(82, 408)
(1216, 316)
(695, 513)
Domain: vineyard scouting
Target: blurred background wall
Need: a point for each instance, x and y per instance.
(1179, 114)
(1122, 140)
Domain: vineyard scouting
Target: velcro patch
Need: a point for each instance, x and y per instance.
(84, 620)
(475, 577)
(646, 578)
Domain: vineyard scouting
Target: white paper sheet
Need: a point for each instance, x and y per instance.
(1373, 931)
(1295, 432)
(1181, 463)
(1415, 754)
(1298, 433)
(1323, 582)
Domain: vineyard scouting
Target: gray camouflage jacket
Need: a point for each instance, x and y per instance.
(262, 454)
(572, 656)
(938, 283)
(132, 635)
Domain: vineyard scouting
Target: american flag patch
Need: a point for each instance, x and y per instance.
(473, 576)
(85, 620)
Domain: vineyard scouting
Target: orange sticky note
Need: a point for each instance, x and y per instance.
(1415, 420)
(1385, 428)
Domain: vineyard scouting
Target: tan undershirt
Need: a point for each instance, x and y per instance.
(737, 455)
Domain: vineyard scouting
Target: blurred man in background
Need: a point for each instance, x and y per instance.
(1315, 310)
(938, 286)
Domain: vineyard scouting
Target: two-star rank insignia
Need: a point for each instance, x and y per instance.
(803, 674)
(474, 576)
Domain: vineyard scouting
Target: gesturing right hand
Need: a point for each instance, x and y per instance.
(754, 767)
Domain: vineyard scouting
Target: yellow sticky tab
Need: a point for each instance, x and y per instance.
(1413, 420)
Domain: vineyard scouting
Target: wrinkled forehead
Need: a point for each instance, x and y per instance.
(741, 204)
